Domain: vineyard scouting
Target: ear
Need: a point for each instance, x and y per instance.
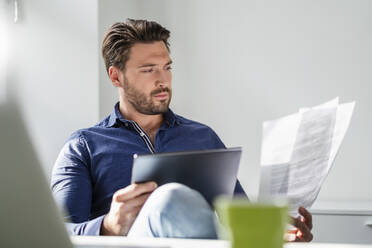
(114, 74)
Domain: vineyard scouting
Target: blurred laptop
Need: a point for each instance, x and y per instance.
(29, 215)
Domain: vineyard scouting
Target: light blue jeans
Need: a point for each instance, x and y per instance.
(175, 211)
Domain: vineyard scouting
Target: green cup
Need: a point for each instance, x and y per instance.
(247, 224)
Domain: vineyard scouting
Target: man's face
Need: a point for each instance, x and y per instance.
(147, 78)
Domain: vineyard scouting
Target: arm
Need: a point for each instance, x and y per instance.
(239, 191)
(72, 187)
(217, 143)
(89, 228)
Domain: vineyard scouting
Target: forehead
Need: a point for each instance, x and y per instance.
(141, 53)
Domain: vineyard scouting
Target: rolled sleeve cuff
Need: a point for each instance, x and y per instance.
(89, 228)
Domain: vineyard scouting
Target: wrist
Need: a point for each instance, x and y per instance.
(105, 228)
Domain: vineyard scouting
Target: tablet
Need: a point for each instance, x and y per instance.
(211, 172)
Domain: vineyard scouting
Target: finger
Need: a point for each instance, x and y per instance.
(292, 231)
(297, 222)
(295, 235)
(134, 190)
(135, 202)
(132, 214)
(303, 234)
(304, 238)
(308, 217)
(289, 237)
(136, 210)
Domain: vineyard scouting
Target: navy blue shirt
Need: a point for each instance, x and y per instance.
(96, 162)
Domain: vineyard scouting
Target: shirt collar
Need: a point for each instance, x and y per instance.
(116, 117)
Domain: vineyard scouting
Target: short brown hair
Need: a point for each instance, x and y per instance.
(121, 36)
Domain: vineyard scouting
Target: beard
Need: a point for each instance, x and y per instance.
(145, 104)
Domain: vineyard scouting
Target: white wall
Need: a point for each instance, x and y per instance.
(238, 63)
(53, 70)
(4, 43)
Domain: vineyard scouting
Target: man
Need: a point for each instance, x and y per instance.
(91, 177)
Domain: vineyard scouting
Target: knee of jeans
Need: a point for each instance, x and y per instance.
(176, 193)
(175, 210)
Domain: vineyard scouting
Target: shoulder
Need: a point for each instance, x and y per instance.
(75, 145)
(200, 131)
(105, 122)
(80, 139)
(184, 122)
(78, 146)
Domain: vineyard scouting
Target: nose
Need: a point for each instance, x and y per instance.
(163, 79)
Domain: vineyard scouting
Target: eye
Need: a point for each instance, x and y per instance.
(168, 68)
(148, 70)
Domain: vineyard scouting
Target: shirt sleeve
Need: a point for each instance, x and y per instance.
(71, 186)
(91, 227)
(239, 191)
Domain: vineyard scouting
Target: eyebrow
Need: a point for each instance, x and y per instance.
(149, 65)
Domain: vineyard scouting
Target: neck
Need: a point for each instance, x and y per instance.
(149, 123)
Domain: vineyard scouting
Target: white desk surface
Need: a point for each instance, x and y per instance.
(342, 207)
(99, 241)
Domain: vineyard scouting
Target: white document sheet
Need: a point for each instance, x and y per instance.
(298, 151)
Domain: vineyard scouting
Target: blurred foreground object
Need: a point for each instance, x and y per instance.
(247, 224)
(28, 212)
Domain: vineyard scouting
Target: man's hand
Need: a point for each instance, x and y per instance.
(303, 224)
(125, 206)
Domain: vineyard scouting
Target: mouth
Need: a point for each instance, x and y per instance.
(161, 96)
